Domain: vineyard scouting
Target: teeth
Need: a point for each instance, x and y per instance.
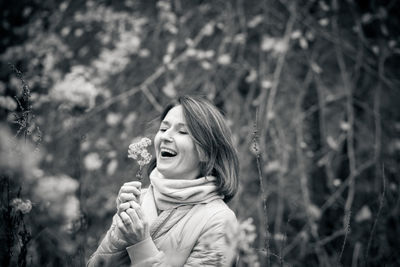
(169, 151)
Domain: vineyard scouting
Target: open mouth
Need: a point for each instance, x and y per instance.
(168, 153)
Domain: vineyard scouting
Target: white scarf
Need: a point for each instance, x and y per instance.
(172, 193)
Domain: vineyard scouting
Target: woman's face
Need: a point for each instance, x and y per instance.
(177, 157)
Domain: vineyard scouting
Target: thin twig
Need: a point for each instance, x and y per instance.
(322, 108)
(328, 239)
(262, 190)
(347, 217)
(356, 254)
(381, 203)
(377, 149)
(350, 133)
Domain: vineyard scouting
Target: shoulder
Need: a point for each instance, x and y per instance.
(216, 209)
(215, 214)
(213, 218)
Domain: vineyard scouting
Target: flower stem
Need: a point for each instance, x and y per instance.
(139, 174)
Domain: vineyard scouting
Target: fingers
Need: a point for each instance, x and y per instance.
(126, 197)
(133, 216)
(126, 219)
(130, 189)
(131, 204)
(134, 184)
(121, 225)
(123, 207)
(138, 209)
(140, 214)
(134, 205)
(139, 224)
(131, 226)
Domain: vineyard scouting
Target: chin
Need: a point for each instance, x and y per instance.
(165, 172)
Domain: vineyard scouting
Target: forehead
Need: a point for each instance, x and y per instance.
(175, 115)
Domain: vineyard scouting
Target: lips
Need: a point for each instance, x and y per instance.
(167, 152)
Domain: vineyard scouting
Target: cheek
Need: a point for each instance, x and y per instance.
(191, 152)
(156, 142)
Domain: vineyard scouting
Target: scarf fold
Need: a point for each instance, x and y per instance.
(172, 193)
(160, 223)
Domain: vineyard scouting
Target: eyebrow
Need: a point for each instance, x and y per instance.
(168, 123)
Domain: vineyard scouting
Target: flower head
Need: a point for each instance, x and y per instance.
(24, 206)
(138, 151)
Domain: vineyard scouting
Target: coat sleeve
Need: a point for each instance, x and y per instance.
(215, 246)
(111, 251)
(212, 248)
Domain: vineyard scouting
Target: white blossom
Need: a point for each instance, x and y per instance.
(112, 166)
(92, 161)
(8, 102)
(252, 76)
(336, 182)
(143, 53)
(296, 34)
(267, 43)
(224, 59)
(75, 89)
(205, 65)
(58, 195)
(169, 90)
(113, 119)
(254, 22)
(363, 214)
(323, 22)
(208, 29)
(128, 121)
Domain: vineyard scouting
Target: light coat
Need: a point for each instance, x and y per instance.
(189, 235)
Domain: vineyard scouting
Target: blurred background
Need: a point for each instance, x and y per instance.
(310, 90)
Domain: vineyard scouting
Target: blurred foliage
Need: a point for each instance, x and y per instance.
(309, 89)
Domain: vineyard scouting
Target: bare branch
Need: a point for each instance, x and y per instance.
(267, 108)
(350, 133)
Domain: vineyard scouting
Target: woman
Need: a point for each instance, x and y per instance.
(182, 218)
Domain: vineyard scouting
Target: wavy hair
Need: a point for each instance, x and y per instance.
(213, 139)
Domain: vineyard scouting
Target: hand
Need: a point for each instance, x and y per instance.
(132, 224)
(116, 236)
(129, 192)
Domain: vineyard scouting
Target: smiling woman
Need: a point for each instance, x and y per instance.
(182, 218)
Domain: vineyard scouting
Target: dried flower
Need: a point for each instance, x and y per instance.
(138, 151)
(24, 206)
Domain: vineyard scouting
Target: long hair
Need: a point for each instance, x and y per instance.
(213, 138)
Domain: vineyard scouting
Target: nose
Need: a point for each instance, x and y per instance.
(166, 136)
